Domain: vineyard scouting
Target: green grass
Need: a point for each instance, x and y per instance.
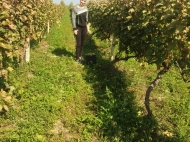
(58, 100)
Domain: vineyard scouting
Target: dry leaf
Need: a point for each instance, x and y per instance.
(6, 107)
(167, 133)
(1, 108)
(1, 39)
(10, 69)
(3, 93)
(8, 99)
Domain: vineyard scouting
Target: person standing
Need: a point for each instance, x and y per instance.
(80, 27)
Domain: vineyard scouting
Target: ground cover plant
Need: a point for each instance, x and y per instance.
(56, 99)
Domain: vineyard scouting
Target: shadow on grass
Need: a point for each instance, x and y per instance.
(115, 106)
(62, 52)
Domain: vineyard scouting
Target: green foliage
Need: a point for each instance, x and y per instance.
(156, 32)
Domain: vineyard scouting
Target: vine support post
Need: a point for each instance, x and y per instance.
(112, 48)
(48, 27)
(27, 50)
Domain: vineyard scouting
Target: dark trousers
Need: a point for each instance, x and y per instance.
(80, 38)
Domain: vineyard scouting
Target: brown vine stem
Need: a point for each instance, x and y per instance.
(150, 88)
(181, 72)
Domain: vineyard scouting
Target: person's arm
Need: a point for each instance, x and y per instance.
(88, 24)
(88, 28)
(74, 22)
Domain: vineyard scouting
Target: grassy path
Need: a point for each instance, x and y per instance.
(58, 100)
(50, 91)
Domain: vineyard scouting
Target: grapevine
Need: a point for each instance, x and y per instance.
(156, 32)
(21, 21)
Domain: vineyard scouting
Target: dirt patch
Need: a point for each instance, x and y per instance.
(4, 128)
(44, 46)
(30, 74)
(59, 129)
